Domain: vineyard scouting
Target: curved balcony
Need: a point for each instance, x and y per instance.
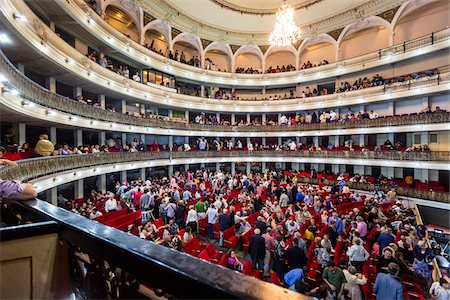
(52, 171)
(47, 102)
(93, 23)
(55, 49)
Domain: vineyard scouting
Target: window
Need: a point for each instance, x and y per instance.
(433, 138)
(417, 139)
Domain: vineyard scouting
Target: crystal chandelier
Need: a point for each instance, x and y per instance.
(285, 32)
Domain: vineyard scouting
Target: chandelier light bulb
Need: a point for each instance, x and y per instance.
(285, 31)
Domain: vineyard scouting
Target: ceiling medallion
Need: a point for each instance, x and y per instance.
(285, 31)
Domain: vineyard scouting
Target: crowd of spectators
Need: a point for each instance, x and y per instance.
(308, 64)
(281, 69)
(324, 241)
(248, 70)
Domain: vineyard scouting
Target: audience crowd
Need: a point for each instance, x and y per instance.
(327, 242)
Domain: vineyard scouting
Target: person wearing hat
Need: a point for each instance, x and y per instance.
(440, 290)
(43, 147)
(389, 286)
(387, 257)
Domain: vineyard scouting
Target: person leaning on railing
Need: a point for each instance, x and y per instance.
(14, 190)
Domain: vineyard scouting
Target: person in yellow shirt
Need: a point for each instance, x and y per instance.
(409, 180)
(309, 236)
(43, 147)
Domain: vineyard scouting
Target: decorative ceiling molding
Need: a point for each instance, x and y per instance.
(253, 11)
(336, 33)
(389, 14)
(161, 9)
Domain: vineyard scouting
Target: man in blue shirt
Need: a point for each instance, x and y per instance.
(291, 277)
(299, 196)
(388, 286)
(385, 239)
(339, 223)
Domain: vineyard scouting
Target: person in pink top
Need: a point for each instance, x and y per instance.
(361, 226)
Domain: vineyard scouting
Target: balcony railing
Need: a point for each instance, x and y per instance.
(35, 168)
(39, 95)
(78, 9)
(55, 49)
(100, 262)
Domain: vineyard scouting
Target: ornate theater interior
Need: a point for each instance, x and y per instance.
(216, 149)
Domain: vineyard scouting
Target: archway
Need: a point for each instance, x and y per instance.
(155, 41)
(369, 35)
(317, 53)
(284, 59)
(414, 20)
(248, 57)
(122, 21)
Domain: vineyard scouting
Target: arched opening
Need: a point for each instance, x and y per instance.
(217, 60)
(186, 53)
(155, 41)
(422, 21)
(121, 21)
(280, 61)
(248, 63)
(317, 54)
(364, 41)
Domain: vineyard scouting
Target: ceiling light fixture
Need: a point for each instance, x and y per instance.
(285, 31)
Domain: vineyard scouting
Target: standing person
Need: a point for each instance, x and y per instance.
(354, 280)
(191, 219)
(200, 207)
(389, 286)
(43, 147)
(170, 210)
(257, 250)
(111, 204)
(335, 280)
(180, 211)
(295, 256)
(279, 265)
(224, 224)
(269, 246)
(212, 219)
(357, 254)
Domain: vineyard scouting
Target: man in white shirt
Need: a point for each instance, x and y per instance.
(186, 147)
(136, 77)
(95, 213)
(293, 146)
(212, 214)
(333, 116)
(373, 115)
(191, 219)
(111, 204)
(283, 120)
(357, 254)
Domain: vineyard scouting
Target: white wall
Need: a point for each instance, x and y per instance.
(280, 58)
(443, 101)
(408, 106)
(423, 21)
(248, 60)
(317, 53)
(427, 62)
(221, 60)
(363, 42)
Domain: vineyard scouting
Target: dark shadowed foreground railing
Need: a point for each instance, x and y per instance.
(34, 168)
(96, 252)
